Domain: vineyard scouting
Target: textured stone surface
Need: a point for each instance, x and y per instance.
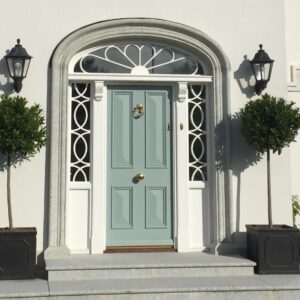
(146, 265)
(164, 287)
(23, 288)
(268, 295)
(123, 260)
(172, 285)
(149, 273)
(258, 287)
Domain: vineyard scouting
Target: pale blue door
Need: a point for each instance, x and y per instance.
(139, 206)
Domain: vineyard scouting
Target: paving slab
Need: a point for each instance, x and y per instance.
(23, 288)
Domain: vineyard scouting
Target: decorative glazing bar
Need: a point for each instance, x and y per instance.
(197, 133)
(80, 132)
(137, 59)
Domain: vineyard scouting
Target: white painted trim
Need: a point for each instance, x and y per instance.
(197, 184)
(99, 171)
(80, 185)
(98, 159)
(99, 90)
(142, 78)
(182, 169)
(182, 91)
(174, 164)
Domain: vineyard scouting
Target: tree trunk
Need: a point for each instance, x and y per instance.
(10, 220)
(269, 190)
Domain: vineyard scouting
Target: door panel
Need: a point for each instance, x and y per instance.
(156, 207)
(122, 213)
(139, 211)
(155, 130)
(121, 123)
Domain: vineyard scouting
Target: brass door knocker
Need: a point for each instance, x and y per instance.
(138, 111)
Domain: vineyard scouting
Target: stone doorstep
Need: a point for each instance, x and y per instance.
(146, 265)
(176, 285)
(232, 287)
(145, 260)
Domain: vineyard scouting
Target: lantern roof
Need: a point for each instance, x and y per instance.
(18, 52)
(261, 57)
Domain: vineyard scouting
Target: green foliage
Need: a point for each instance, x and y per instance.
(22, 127)
(296, 208)
(269, 123)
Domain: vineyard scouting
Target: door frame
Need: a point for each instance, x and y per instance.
(99, 162)
(190, 40)
(179, 144)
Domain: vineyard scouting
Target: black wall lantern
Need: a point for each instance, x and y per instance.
(18, 61)
(262, 68)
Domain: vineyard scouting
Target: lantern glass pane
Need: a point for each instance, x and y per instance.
(257, 71)
(26, 65)
(262, 72)
(18, 67)
(10, 67)
(266, 71)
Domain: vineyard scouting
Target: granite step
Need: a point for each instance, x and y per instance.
(178, 288)
(258, 287)
(146, 265)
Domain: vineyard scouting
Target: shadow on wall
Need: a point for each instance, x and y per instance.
(6, 85)
(242, 157)
(245, 78)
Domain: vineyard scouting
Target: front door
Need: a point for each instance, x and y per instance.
(139, 184)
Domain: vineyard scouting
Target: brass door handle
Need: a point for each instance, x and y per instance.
(140, 176)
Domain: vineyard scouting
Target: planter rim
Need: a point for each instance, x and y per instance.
(276, 227)
(18, 230)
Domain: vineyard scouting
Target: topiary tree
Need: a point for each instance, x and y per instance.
(269, 124)
(22, 134)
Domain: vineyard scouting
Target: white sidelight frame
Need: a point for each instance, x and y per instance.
(168, 33)
(96, 189)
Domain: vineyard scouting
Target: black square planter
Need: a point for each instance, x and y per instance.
(275, 250)
(17, 253)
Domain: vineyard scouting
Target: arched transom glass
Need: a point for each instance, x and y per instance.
(137, 59)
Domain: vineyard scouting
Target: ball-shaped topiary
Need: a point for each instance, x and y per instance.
(269, 124)
(22, 134)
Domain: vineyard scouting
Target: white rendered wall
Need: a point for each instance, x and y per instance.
(292, 8)
(238, 26)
